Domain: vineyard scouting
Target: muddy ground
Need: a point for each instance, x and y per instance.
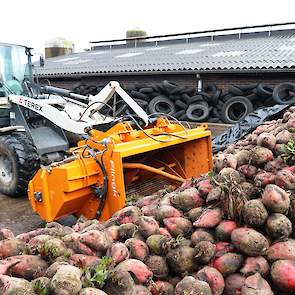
(17, 215)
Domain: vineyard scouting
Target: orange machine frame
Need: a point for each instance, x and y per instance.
(163, 150)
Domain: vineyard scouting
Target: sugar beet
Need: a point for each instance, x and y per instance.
(249, 241)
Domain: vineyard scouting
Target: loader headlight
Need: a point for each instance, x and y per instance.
(38, 196)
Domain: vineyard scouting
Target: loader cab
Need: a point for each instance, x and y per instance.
(15, 68)
(25, 136)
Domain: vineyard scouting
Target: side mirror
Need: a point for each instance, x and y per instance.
(41, 61)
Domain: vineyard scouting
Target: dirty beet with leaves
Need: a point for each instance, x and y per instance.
(228, 232)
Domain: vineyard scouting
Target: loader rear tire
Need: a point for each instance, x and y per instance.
(19, 162)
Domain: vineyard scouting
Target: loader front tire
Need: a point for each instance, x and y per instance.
(19, 161)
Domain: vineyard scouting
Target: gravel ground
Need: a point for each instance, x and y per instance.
(17, 215)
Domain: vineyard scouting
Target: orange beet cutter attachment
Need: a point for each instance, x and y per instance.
(108, 166)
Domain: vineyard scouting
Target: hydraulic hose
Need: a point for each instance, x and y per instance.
(103, 194)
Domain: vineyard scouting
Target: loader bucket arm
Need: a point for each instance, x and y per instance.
(107, 93)
(77, 117)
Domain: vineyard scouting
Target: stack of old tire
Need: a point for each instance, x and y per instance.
(209, 105)
(243, 99)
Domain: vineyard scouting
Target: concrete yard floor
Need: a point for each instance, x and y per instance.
(16, 214)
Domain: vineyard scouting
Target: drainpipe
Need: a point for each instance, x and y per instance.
(199, 83)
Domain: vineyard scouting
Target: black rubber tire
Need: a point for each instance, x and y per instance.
(255, 91)
(192, 116)
(227, 96)
(174, 97)
(269, 101)
(248, 87)
(191, 91)
(185, 97)
(220, 105)
(195, 99)
(281, 93)
(179, 113)
(213, 120)
(24, 160)
(169, 86)
(127, 87)
(204, 103)
(216, 113)
(258, 104)
(99, 88)
(161, 104)
(235, 90)
(76, 87)
(92, 89)
(157, 87)
(137, 86)
(236, 109)
(186, 90)
(183, 118)
(146, 90)
(137, 94)
(215, 97)
(264, 90)
(182, 105)
(210, 88)
(178, 89)
(154, 94)
(204, 95)
(142, 103)
(253, 97)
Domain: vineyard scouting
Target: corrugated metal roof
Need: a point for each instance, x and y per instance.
(247, 52)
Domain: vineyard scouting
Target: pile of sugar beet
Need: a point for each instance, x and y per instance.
(228, 232)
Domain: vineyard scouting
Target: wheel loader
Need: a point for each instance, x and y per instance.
(134, 154)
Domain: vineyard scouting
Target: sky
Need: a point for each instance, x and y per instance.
(33, 22)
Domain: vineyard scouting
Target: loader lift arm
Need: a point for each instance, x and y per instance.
(77, 117)
(100, 99)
